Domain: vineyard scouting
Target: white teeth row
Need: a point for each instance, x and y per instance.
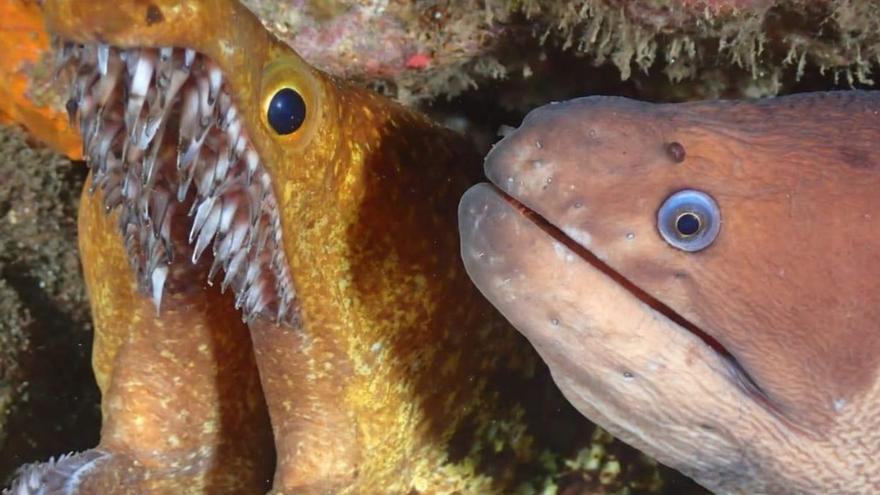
(159, 129)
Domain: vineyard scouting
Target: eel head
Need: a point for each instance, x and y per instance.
(701, 278)
(160, 90)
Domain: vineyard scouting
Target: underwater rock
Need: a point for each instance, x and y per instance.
(421, 50)
(48, 398)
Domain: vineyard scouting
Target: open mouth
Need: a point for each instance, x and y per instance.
(738, 374)
(166, 144)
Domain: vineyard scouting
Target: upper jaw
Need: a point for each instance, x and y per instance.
(167, 145)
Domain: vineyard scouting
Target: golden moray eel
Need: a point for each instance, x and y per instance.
(701, 278)
(323, 214)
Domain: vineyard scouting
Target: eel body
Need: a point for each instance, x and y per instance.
(749, 362)
(365, 351)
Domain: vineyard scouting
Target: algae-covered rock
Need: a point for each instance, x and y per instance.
(428, 48)
(48, 398)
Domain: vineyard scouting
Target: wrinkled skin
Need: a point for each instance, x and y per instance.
(366, 394)
(751, 366)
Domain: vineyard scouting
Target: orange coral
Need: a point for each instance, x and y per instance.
(26, 95)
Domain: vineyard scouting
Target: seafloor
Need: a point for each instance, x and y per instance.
(476, 65)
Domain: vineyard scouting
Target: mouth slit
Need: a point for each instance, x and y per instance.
(166, 145)
(741, 376)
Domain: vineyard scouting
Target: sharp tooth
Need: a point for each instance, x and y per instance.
(205, 174)
(206, 105)
(178, 77)
(166, 96)
(131, 186)
(253, 161)
(238, 236)
(253, 270)
(230, 207)
(103, 56)
(184, 178)
(261, 237)
(256, 299)
(252, 278)
(160, 200)
(106, 85)
(130, 57)
(202, 212)
(165, 233)
(151, 127)
(240, 145)
(254, 293)
(189, 143)
(222, 247)
(220, 169)
(277, 260)
(189, 56)
(153, 247)
(158, 277)
(140, 83)
(151, 161)
(215, 267)
(143, 206)
(215, 77)
(226, 111)
(254, 230)
(101, 151)
(164, 68)
(233, 268)
(207, 233)
(233, 130)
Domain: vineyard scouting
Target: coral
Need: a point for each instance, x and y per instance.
(27, 94)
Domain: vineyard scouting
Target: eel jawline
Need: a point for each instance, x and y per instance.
(740, 376)
(155, 121)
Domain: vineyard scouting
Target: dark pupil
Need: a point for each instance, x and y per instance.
(687, 224)
(287, 111)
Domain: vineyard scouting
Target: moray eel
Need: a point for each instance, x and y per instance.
(702, 278)
(338, 346)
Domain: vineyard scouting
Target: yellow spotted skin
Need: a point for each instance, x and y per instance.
(396, 347)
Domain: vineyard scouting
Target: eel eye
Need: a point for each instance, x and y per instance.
(287, 111)
(689, 220)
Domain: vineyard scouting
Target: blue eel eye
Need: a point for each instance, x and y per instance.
(689, 220)
(287, 111)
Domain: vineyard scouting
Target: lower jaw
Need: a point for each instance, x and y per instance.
(162, 135)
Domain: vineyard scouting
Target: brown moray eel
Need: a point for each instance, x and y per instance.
(747, 358)
(323, 211)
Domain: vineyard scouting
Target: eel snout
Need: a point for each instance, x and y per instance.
(620, 362)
